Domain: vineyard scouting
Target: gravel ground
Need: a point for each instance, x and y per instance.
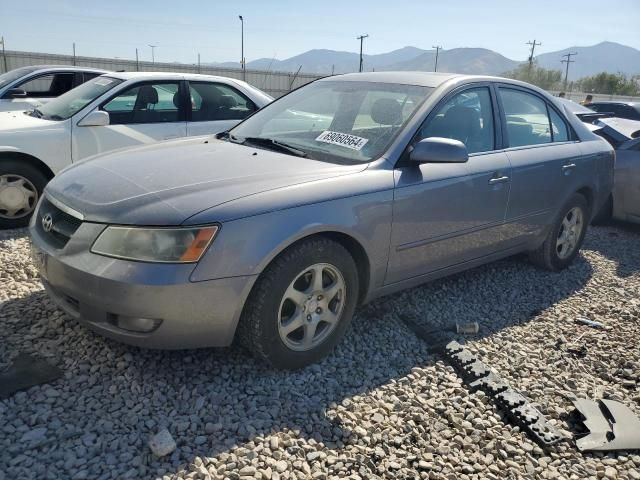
(380, 407)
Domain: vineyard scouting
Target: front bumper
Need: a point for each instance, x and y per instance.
(99, 291)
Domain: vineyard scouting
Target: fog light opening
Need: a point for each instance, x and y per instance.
(134, 324)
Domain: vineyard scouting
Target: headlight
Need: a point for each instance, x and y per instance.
(163, 245)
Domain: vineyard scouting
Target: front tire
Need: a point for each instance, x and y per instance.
(301, 305)
(565, 237)
(21, 185)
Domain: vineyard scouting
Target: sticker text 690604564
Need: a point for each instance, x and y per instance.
(343, 139)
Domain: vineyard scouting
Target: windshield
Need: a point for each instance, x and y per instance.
(7, 78)
(75, 100)
(336, 121)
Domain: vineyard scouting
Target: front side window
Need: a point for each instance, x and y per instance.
(527, 118)
(75, 100)
(467, 117)
(13, 75)
(335, 120)
(216, 101)
(153, 102)
(52, 85)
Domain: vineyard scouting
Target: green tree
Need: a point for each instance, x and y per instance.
(541, 77)
(610, 84)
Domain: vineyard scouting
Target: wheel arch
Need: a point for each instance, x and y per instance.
(36, 162)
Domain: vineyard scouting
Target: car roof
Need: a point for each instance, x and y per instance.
(424, 79)
(43, 68)
(614, 102)
(168, 76)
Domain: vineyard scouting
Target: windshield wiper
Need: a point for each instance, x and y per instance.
(35, 113)
(271, 143)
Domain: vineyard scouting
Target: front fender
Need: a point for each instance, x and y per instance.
(247, 246)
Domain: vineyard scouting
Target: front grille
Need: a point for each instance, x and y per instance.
(62, 225)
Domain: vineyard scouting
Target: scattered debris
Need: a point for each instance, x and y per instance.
(591, 323)
(470, 328)
(162, 443)
(480, 377)
(611, 425)
(25, 372)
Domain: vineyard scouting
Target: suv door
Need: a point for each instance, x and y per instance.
(216, 107)
(544, 157)
(145, 112)
(447, 214)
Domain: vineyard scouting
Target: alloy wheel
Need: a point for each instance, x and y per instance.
(570, 232)
(18, 196)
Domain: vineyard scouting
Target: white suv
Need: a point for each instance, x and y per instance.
(111, 111)
(29, 87)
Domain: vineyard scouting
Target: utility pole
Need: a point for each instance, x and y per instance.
(533, 44)
(137, 63)
(438, 48)
(4, 55)
(153, 53)
(198, 63)
(361, 38)
(74, 54)
(567, 61)
(242, 60)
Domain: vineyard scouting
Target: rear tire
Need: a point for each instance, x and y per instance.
(289, 320)
(565, 237)
(21, 185)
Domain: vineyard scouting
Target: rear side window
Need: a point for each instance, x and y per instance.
(52, 85)
(559, 129)
(145, 103)
(216, 101)
(527, 118)
(467, 117)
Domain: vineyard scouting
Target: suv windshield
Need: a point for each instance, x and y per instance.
(75, 100)
(332, 120)
(7, 78)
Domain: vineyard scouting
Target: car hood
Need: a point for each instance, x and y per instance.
(18, 121)
(168, 182)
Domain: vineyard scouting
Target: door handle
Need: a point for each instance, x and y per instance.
(568, 167)
(496, 180)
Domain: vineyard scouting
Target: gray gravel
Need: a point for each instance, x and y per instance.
(380, 407)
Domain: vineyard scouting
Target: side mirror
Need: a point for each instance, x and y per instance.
(439, 150)
(15, 93)
(97, 118)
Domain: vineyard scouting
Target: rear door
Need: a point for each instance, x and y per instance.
(145, 112)
(448, 214)
(215, 107)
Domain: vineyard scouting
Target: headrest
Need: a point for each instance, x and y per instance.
(386, 111)
(176, 99)
(146, 95)
(228, 101)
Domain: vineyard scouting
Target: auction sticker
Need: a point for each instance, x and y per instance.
(343, 139)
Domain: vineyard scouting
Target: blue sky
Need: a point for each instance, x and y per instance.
(282, 28)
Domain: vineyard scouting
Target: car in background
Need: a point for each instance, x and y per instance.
(112, 111)
(629, 110)
(624, 136)
(346, 189)
(26, 88)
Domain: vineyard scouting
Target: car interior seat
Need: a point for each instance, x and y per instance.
(146, 101)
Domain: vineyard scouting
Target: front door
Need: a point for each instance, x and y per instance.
(447, 214)
(146, 112)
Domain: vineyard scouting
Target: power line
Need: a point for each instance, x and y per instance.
(438, 48)
(533, 44)
(567, 62)
(361, 38)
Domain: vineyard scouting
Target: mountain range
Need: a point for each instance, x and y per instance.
(606, 56)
